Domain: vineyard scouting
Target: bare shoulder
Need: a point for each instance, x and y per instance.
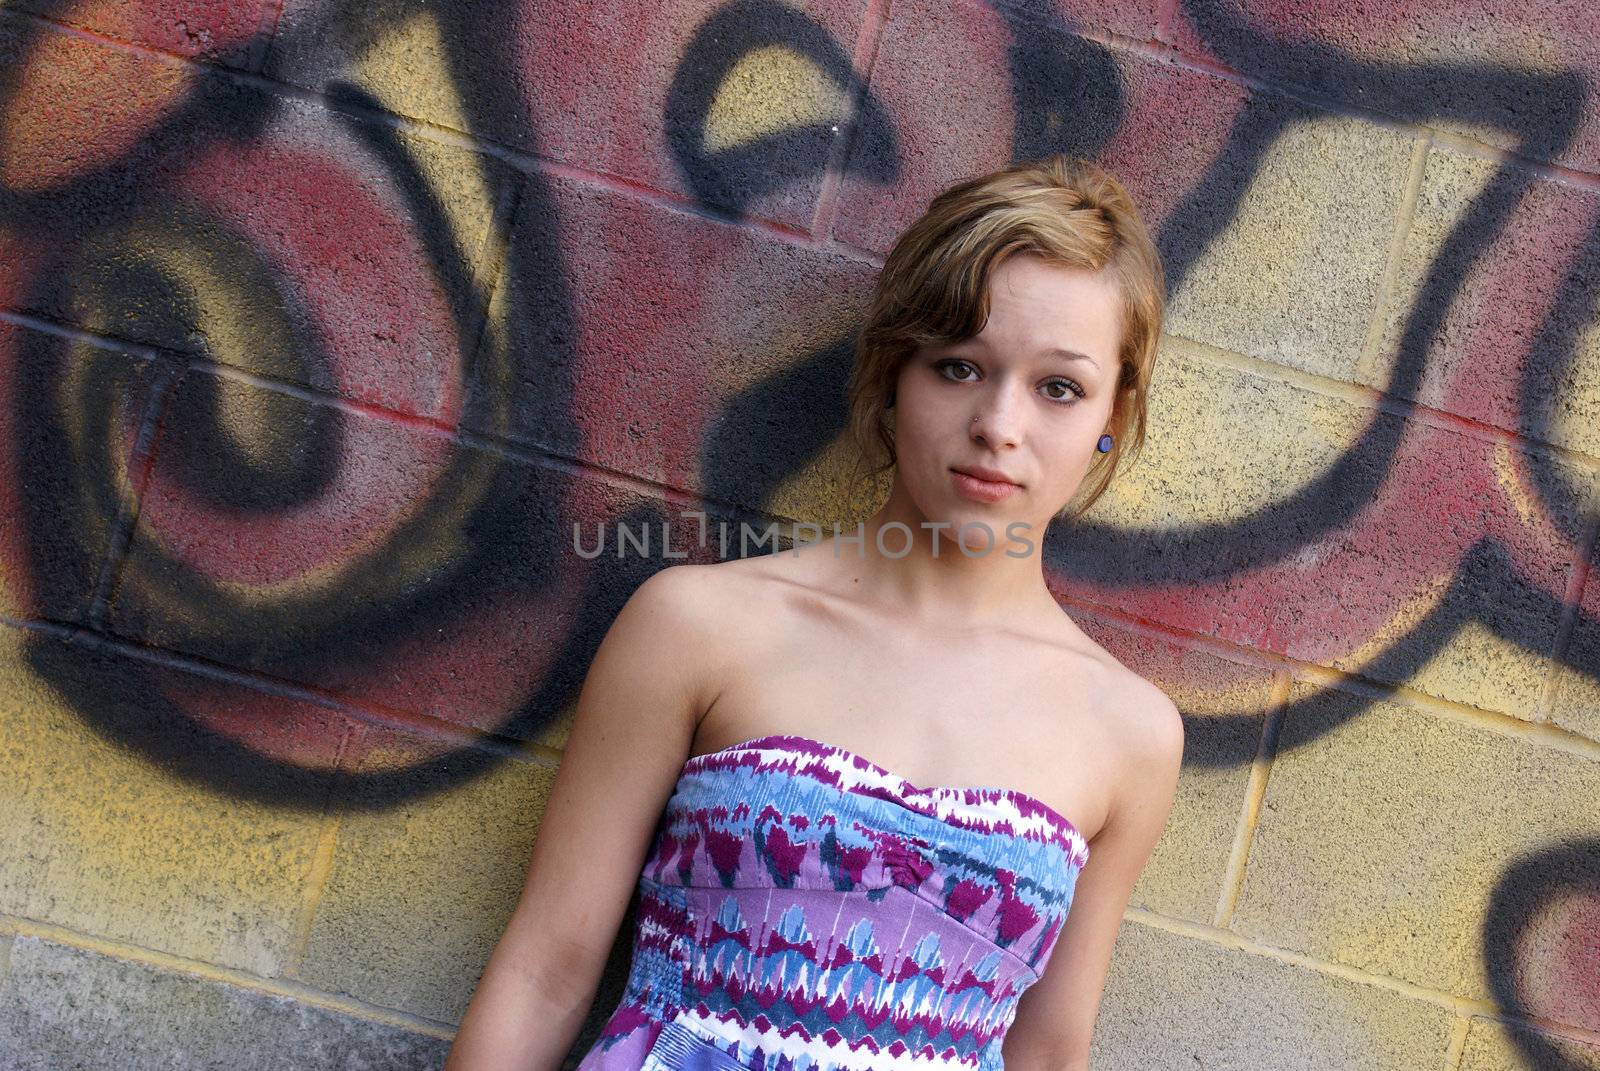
(678, 587)
(1150, 734)
(692, 597)
(1150, 720)
(749, 588)
(1153, 721)
(708, 610)
(1144, 725)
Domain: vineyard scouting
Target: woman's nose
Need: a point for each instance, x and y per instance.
(997, 423)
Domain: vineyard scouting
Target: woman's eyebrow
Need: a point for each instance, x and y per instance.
(960, 349)
(1071, 355)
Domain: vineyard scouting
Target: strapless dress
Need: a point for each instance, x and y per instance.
(805, 909)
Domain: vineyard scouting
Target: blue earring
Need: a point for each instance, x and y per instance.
(1104, 446)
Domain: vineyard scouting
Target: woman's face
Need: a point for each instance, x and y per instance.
(1027, 398)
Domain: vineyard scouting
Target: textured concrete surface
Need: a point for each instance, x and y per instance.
(1507, 75)
(1474, 219)
(1449, 568)
(210, 31)
(764, 97)
(1173, 1002)
(1381, 822)
(394, 512)
(82, 392)
(96, 837)
(380, 235)
(661, 320)
(63, 1007)
(1575, 695)
(1295, 277)
(1498, 1046)
(419, 894)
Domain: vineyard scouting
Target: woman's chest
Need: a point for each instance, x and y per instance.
(934, 716)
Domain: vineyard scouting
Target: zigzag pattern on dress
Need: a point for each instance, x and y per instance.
(804, 909)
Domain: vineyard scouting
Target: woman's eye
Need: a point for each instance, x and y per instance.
(958, 371)
(1068, 384)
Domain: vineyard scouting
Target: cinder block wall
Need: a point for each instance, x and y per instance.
(322, 324)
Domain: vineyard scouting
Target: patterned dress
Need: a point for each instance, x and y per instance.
(804, 909)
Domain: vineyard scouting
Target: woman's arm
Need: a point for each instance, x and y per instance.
(631, 733)
(1056, 1016)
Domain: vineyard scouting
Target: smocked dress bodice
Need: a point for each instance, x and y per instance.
(804, 909)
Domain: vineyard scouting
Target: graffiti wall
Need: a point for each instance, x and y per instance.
(322, 323)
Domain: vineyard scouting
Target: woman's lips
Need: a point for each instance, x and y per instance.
(980, 490)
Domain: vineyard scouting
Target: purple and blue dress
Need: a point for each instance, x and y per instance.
(804, 909)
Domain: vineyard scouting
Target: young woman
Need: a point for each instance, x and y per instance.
(866, 779)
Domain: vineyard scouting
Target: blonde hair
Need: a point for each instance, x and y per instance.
(934, 290)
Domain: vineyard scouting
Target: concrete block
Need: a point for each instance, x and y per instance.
(1274, 246)
(378, 560)
(262, 232)
(1575, 696)
(67, 1007)
(1224, 446)
(1252, 493)
(738, 107)
(1176, 1002)
(1498, 269)
(1294, 276)
(1386, 832)
(267, 516)
(109, 826)
(208, 31)
(421, 892)
(74, 106)
(1513, 77)
(698, 354)
(1493, 1045)
(70, 416)
(1136, 20)
(955, 106)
